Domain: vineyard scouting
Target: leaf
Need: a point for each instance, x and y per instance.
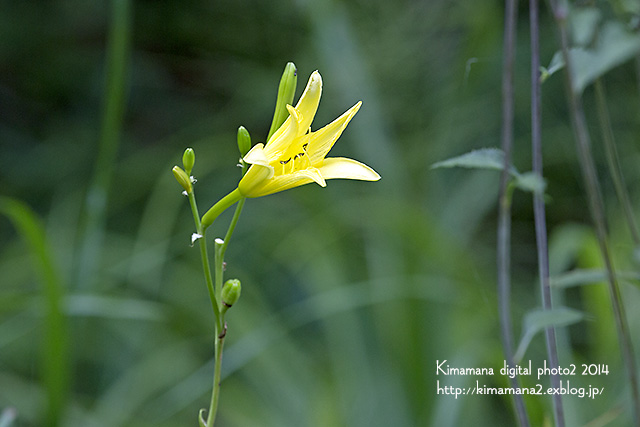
(484, 158)
(539, 320)
(581, 277)
(530, 181)
(584, 24)
(556, 64)
(577, 278)
(615, 46)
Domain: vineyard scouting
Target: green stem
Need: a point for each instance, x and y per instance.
(215, 396)
(210, 284)
(221, 330)
(206, 267)
(215, 289)
(219, 207)
(232, 226)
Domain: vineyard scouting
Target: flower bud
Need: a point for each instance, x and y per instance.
(188, 160)
(286, 92)
(244, 141)
(182, 178)
(231, 293)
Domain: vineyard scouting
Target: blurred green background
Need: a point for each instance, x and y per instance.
(350, 293)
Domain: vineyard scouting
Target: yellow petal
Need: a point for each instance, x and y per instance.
(306, 107)
(323, 139)
(341, 167)
(308, 103)
(282, 138)
(256, 156)
(276, 184)
(254, 179)
(314, 174)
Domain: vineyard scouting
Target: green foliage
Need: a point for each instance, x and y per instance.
(484, 158)
(537, 321)
(493, 159)
(55, 348)
(599, 48)
(350, 293)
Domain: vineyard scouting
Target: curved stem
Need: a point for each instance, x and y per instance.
(219, 207)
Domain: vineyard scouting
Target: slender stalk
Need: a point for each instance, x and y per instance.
(213, 294)
(596, 208)
(221, 331)
(221, 327)
(613, 161)
(504, 210)
(539, 208)
(204, 255)
(215, 395)
(215, 297)
(232, 226)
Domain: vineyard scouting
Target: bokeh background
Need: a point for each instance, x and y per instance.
(350, 293)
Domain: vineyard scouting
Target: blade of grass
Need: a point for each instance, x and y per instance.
(596, 208)
(539, 208)
(613, 161)
(113, 111)
(55, 351)
(504, 209)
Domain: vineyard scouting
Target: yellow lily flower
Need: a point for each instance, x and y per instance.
(295, 156)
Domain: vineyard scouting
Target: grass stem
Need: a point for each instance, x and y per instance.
(504, 209)
(539, 208)
(596, 208)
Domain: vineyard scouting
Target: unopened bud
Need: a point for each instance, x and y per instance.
(231, 293)
(182, 178)
(188, 160)
(286, 92)
(244, 141)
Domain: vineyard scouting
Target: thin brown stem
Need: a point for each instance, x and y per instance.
(504, 208)
(596, 208)
(539, 208)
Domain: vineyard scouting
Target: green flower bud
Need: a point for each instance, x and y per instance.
(244, 141)
(231, 293)
(286, 92)
(182, 178)
(188, 160)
